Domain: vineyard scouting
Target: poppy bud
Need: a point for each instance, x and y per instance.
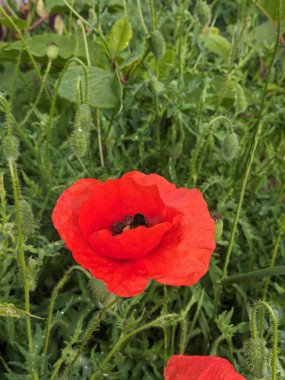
(11, 148)
(98, 290)
(203, 12)
(80, 141)
(52, 51)
(85, 116)
(31, 273)
(157, 44)
(256, 356)
(230, 146)
(218, 219)
(27, 217)
(156, 85)
(81, 134)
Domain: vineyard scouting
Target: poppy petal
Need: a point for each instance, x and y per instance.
(190, 243)
(114, 200)
(180, 367)
(131, 244)
(151, 179)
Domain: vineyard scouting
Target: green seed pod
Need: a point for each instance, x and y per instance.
(230, 146)
(11, 148)
(203, 12)
(32, 271)
(256, 355)
(27, 217)
(52, 51)
(155, 85)
(219, 221)
(240, 99)
(85, 116)
(157, 44)
(98, 290)
(80, 142)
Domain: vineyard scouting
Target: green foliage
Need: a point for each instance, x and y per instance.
(120, 35)
(161, 102)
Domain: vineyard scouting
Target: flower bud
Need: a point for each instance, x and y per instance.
(157, 44)
(52, 51)
(256, 355)
(80, 142)
(230, 146)
(27, 217)
(203, 12)
(98, 290)
(11, 148)
(219, 221)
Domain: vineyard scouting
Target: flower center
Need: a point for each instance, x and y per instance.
(129, 223)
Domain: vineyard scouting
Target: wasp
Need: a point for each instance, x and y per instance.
(129, 223)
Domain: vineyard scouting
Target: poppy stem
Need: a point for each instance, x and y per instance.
(55, 292)
(88, 336)
(52, 110)
(26, 47)
(249, 161)
(262, 305)
(156, 323)
(198, 148)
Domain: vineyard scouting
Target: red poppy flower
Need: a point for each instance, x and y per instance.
(128, 230)
(181, 367)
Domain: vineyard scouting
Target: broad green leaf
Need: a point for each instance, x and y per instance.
(68, 46)
(270, 9)
(265, 33)
(121, 34)
(10, 310)
(18, 22)
(215, 42)
(104, 87)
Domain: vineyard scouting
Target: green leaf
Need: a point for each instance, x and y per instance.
(121, 34)
(18, 22)
(270, 9)
(10, 310)
(68, 46)
(105, 89)
(215, 42)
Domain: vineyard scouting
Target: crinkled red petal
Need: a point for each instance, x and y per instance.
(124, 278)
(151, 179)
(131, 244)
(188, 246)
(181, 367)
(114, 200)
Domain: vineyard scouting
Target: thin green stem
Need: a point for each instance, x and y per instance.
(21, 256)
(141, 16)
(27, 50)
(181, 38)
(52, 109)
(39, 94)
(206, 130)
(254, 143)
(85, 44)
(99, 137)
(156, 323)
(274, 255)
(88, 335)
(55, 292)
(264, 306)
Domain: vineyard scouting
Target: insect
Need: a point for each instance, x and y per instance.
(129, 223)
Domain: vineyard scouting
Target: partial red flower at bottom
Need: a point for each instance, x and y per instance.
(180, 367)
(128, 230)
